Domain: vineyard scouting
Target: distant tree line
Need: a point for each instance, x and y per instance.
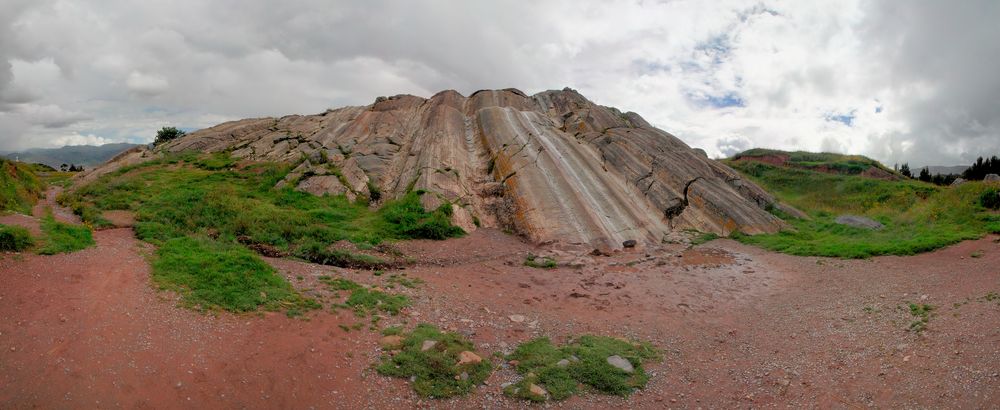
(977, 171)
(981, 167)
(71, 168)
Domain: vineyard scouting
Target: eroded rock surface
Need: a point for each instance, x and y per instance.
(553, 166)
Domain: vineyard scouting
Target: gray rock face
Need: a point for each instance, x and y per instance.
(621, 363)
(991, 177)
(957, 182)
(553, 166)
(859, 222)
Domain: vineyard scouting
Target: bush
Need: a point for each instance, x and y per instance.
(14, 239)
(167, 134)
(990, 198)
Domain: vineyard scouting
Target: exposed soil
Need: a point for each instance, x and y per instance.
(739, 327)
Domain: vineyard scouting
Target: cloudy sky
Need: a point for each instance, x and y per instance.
(915, 81)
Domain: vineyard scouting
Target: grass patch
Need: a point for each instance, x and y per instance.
(560, 371)
(20, 187)
(701, 238)
(922, 312)
(918, 217)
(402, 280)
(435, 371)
(15, 239)
(214, 275)
(365, 301)
(540, 262)
(64, 238)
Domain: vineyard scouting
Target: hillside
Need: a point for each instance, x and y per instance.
(554, 167)
(20, 187)
(918, 216)
(86, 155)
(819, 161)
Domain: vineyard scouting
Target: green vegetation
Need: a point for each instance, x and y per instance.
(15, 239)
(167, 134)
(20, 187)
(210, 274)
(365, 301)
(820, 161)
(540, 262)
(64, 238)
(213, 204)
(435, 370)
(923, 314)
(990, 198)
(701, 238)
(918, 217)
(584, 361)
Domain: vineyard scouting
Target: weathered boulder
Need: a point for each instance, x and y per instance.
(957, 182)
(554, 167)
(859, 222)
(991, 177)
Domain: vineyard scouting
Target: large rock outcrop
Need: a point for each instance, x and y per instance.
(553, 166)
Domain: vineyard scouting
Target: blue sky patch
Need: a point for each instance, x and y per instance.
(846, 119)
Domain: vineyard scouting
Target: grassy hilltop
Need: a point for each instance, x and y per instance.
(918, 216)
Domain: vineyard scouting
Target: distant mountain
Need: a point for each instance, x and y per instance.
(86, 155)
(944, 170)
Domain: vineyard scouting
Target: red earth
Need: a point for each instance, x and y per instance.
(739, 327)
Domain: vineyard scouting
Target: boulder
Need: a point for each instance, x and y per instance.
(991, 177)
(467, 357)
(554, 166)
(859, 222)
(957, 182)
(428, 345)
(621, 363)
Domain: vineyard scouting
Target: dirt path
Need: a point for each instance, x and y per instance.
(740, 327)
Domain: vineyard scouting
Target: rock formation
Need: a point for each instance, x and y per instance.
(553, 166)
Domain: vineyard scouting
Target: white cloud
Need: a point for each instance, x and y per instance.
(77, 139)
(913, 82)
(146, 84)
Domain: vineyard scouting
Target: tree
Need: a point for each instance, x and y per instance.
(63, 167)
(167, 134)
(925, 175)
(905, 170)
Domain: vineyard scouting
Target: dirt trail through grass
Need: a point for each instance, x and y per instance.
(738, 327)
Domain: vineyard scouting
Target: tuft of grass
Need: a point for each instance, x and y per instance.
(15, 239)
(402, 280)
(584, 361)
(365, 301)
(977, 254)
(923, 314)
(918, 217)
(540, 262)
(435, 372)
(64, 238)
(213, 275)
(703, 238)
(407, 219)
(990, 198)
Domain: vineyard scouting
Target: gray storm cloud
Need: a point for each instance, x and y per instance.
(911, 81)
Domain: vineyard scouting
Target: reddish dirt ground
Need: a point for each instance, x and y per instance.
(739, 327)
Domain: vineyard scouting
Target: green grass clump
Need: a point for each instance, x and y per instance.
(407, 219)
(214, 275)
(584, 361)
(540, 262)
(15, 239)
(918, 217)
(704, 237)
(990, 198)
(365, 301)
(64, 238)
(435, 372)
(923, 314)
(20, 187)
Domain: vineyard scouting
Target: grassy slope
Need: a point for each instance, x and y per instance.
(918, 217)
(845, 164)
(19, 186)
(213, 206)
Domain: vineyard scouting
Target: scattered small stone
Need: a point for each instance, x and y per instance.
(516, 318)
(428, 345)
(563, 363)
(537, 390)
(629, 243)
(391, 342)
(467, 357)
(621, 363)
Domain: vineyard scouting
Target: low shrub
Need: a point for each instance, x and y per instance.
(15, 239)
